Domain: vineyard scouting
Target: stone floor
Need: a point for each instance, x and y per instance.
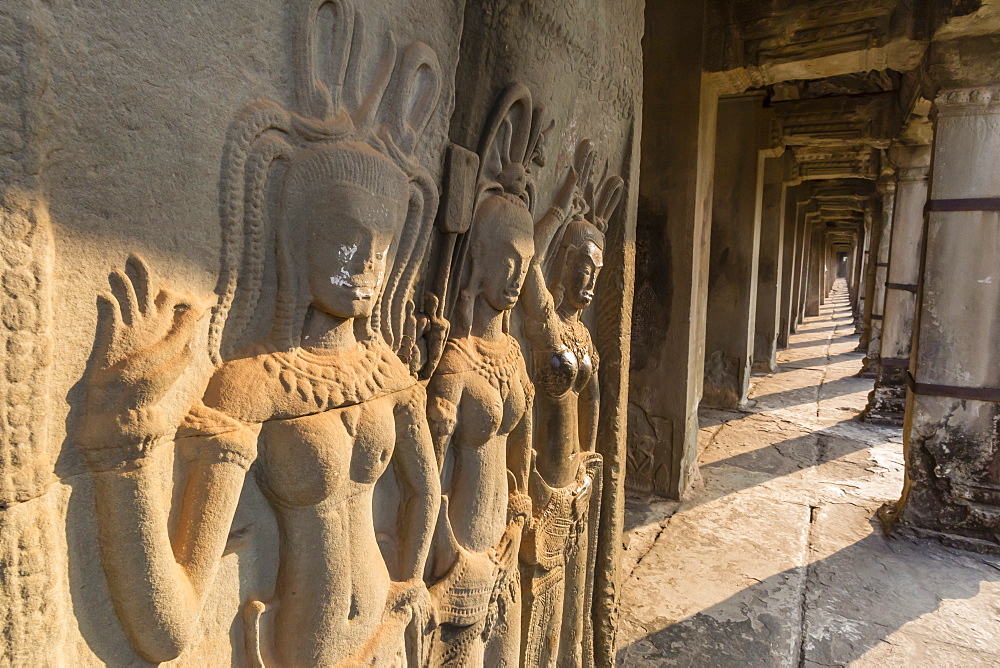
(774, 559)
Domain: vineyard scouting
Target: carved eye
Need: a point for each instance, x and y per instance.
(379, 255)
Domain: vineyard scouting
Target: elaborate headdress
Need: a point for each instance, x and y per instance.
(597, 201)
(513, 142)
(359, 133)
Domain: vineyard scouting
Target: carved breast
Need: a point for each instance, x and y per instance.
(481, 412)
(338, 453)
(558, 372)
(492, 387)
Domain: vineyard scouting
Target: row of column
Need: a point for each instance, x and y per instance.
(888, 357)
(925, 278)
(932, 297)
(773, 257)
(952, 402)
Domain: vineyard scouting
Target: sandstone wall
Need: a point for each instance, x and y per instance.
(117, 138)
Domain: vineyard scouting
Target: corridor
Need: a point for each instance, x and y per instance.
(775, 557)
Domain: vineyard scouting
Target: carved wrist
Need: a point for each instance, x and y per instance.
(123, 440)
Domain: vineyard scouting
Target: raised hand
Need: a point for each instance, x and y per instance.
(434, 328)
(568, 192)
(143, 345)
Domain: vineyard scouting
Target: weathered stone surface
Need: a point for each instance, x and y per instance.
(736, 220)
(325, 341)
(672, 252)
(289, 157)
(888, 399)
(769, 265)
(951, 422)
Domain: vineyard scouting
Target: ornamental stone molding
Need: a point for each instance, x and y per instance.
(972, 101)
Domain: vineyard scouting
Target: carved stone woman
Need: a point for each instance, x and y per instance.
(480, 408)
(322, 406)
(564, 483)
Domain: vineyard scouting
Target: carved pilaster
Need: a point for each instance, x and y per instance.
(32, 556)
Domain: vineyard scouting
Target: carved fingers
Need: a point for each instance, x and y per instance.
(143, 339)
(131, 321)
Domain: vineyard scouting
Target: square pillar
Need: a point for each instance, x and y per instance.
(736, 215)
(816, 269)
(789, 261)
(951, 439)
(769, 266)
(803, 253)
(869, 364)
(861, 267)
(868, 281)
(887, 400)
(673, 233)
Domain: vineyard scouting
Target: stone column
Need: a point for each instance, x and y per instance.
(732, 286)
(770, 261)
(815, 268)
(869, 283)
(953, 406)
(870, 362)
(861, 269)
(674, 228)
(856, 261)
(793, 240)
(887, 400)
(829, 270)
(804, 255)
(864, 259)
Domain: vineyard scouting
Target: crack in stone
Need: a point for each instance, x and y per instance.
(664, 523)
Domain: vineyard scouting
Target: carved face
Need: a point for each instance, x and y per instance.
(583, 264)
(348, 245)
(504, 248)
(342, 209)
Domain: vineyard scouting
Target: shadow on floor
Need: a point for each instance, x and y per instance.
(797, 396)
(822, 360)
(856, 598)
(820, 342)
(806, 329)
(760, 466)
(803, 395)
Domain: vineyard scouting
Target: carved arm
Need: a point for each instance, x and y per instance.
(158, 585)
(142, 348)
(589, 413)
(414, 464)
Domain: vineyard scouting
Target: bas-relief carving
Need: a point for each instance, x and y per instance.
(25, 311)
(455, 525)
(565, 481)
(322, 407)
(480, 405)
(30, 556)
(512, 487)
(32, 559)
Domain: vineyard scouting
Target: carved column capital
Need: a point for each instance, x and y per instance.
(886, 183)
(913, 161)
(971, 101)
